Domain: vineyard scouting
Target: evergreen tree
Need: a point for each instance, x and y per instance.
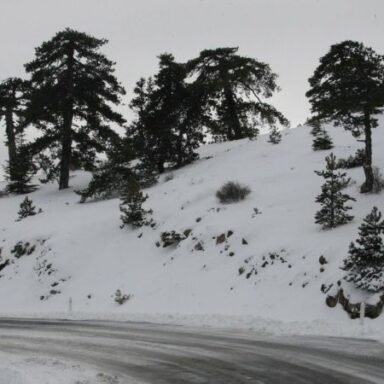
(315, 125)
(27, 209)
(73, 89)
(19, 173)
(170, 116)
(333, 210)
(236, 86)
(131, 207)
(275, 136)
(348, 88)
(365, 263)
(13, 99)
(322, 141)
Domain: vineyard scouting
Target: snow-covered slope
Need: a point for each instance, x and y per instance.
(266, 272)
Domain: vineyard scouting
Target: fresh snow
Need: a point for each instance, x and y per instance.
(82, 256)
(16, 369)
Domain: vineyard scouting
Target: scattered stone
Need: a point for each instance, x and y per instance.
(20, 249)
(322, 260)
(231, 254)
(187, 232)
(171, 238)
(244, 242)
(241, 270)
(264, 264)
(198, 220)
(140, 236)
(322, 269)
(220, 239)
(199, 247)
(229, 233)
(121, 298)
(5, 264)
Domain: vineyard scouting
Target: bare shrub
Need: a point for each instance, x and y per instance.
(232, 192)
(378, 180)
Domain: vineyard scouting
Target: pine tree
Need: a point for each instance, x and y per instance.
(170, 114)
(237, 87)
(348, 89)
(14, 95)
(275, 136)
(73, 89)
(27, 209)
(322, 141)
(365, 263)
(19, 173)
(131, 207)
(315, 125)
(333, 210)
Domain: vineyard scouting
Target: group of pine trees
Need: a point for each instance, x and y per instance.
(347, 89)
(71, 95)
(365, 261)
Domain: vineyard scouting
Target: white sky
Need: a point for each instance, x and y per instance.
(290, 35)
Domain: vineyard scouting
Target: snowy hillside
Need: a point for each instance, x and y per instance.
(265, 274)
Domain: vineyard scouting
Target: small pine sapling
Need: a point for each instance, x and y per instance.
(131, 207)
(322, 141)
(27, 209)
(334, 211)
(19, 174)
(275, 136)
(315, 125)
(365, 263)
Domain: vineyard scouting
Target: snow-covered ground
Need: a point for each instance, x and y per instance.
(266, 276)
(16, 369)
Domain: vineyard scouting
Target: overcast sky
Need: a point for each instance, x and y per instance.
(290, 35)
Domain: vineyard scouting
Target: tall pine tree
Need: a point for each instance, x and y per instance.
(334, 211)
(365, 263)
(348, 88)
(73, 90)
(237, 87)
(170, 113)
(14, 95)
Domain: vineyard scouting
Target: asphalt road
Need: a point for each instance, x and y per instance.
(149, 353)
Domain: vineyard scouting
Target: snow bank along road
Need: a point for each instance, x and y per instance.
(146, 353)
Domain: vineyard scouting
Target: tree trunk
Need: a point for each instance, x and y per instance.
(179, 146)
(66, 141)
(11, 142)
(234, 127)
(160, 166)
(369, 179)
